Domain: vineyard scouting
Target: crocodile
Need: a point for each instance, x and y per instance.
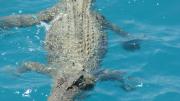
(76, 43)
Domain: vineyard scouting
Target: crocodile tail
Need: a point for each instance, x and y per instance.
(87, 4)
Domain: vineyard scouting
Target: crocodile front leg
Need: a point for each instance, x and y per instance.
(36, 67)
(127, 83)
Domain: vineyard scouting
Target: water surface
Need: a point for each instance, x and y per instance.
(157, 22)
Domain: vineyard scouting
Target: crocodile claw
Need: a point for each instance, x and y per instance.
(131, 83)
(132, 45)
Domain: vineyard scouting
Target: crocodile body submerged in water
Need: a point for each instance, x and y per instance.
(76, 43)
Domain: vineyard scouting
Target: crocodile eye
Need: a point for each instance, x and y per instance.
(73, 64)
(79, 81)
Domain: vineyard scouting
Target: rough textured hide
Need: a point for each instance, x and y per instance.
(76, 43)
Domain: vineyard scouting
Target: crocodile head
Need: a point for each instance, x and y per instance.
(82, 80)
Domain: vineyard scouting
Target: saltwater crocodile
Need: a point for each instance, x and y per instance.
(76, 43)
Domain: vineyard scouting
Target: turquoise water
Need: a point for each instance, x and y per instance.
(157, 64)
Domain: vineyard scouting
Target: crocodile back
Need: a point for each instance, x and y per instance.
(75, 38)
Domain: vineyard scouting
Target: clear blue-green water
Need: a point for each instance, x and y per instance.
(157, 63)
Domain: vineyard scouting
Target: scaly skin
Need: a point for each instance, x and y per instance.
(76, 43)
